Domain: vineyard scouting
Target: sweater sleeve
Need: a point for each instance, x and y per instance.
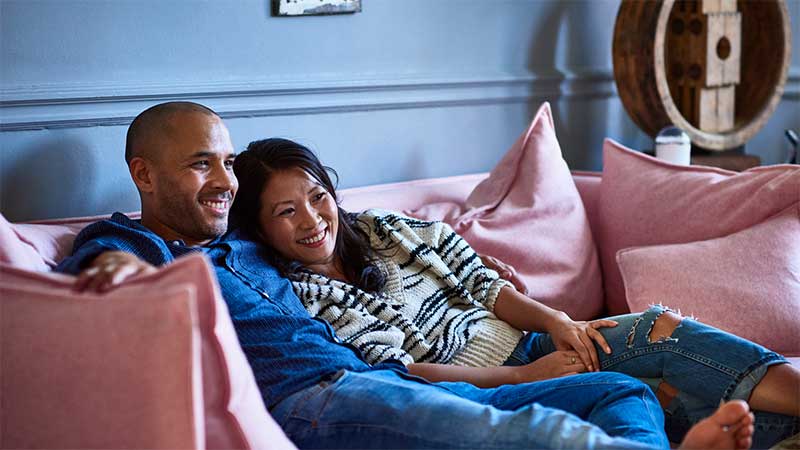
(482, 283)
(443, 250)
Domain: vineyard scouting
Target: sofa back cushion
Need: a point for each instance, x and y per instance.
(529, 214)
(646, 201)
(233, 411)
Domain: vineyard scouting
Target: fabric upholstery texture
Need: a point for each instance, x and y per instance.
(233, 411)
(529, 214)
(646, 201)
(88, 371)
(746, 283)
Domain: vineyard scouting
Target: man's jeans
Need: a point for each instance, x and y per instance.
(704, 364)
(389, 409)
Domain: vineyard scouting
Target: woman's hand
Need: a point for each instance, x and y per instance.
(568, 334)
(557, 364)
(506, 272)
(110, 269)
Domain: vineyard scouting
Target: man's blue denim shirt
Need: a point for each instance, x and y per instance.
(288, 350)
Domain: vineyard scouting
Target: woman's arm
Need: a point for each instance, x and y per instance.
(554, 365)
(525, 313)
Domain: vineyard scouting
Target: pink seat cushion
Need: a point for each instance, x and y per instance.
(746, 283)
(646, 201)
(84, 371)
(235, 416)
(529, 214)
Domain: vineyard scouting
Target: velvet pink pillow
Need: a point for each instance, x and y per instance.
(646, 201)
(235, 416)
(81, 371)
(529, 214)
(746, 283)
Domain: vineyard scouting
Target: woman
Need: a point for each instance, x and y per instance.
(414, 291)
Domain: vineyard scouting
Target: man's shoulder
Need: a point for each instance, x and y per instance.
(117, 226)
(117, 233)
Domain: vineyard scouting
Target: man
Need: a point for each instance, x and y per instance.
(320, 391)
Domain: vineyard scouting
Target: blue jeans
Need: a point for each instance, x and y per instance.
(389, 409)
(706, 366)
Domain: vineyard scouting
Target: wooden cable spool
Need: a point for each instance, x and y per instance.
(714, 68)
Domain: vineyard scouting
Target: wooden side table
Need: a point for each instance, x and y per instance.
(734, 159)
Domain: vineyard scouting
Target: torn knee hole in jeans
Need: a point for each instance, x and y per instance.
(663, 337)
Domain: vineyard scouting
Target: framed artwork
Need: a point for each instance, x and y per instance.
(314, 7)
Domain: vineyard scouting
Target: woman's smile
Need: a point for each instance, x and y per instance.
(316, 240)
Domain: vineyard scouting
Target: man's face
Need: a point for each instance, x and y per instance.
(193, 180)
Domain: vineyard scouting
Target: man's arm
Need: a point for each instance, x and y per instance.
(103, 255)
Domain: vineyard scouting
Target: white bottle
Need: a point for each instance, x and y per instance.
(673, 145)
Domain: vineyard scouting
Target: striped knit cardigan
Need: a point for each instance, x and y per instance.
(436, 304)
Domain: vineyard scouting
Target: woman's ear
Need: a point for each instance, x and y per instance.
(141, 174)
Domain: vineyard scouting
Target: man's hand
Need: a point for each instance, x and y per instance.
(506, 272)
(110, 269)
(568, 334)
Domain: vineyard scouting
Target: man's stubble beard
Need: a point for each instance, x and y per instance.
(185, 216)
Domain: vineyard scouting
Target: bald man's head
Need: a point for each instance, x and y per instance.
(180, 156)
(151, 129)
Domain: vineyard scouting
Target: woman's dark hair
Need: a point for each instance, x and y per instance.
(253, 168)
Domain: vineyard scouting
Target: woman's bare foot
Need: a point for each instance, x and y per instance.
(730, 427)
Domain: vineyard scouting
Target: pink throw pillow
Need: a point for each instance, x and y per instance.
(15, 251)
(746, 283)
(235, 416)
(646, 201)
(81, 371)
(528, 213)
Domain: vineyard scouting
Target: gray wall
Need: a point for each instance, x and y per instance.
(403, 90)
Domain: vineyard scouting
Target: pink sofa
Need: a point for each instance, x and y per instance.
(202, 394)
(58, 398)
(155, 363)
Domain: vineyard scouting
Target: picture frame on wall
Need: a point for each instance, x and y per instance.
(315, 7)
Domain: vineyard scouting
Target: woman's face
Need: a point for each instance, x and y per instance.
(299, 219)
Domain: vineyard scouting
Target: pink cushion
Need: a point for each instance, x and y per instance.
(747, 283)
(81, 371)
(53, 239)
(529, 214)
(235, 416)
(646, 201)
(16, 251)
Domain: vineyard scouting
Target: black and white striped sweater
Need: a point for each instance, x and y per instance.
(436, 304)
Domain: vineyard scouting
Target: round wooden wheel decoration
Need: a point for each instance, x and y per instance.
(715, 68)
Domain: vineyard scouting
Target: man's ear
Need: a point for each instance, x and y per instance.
(142, 174)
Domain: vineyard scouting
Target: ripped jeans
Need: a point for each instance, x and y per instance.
(704, 364)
